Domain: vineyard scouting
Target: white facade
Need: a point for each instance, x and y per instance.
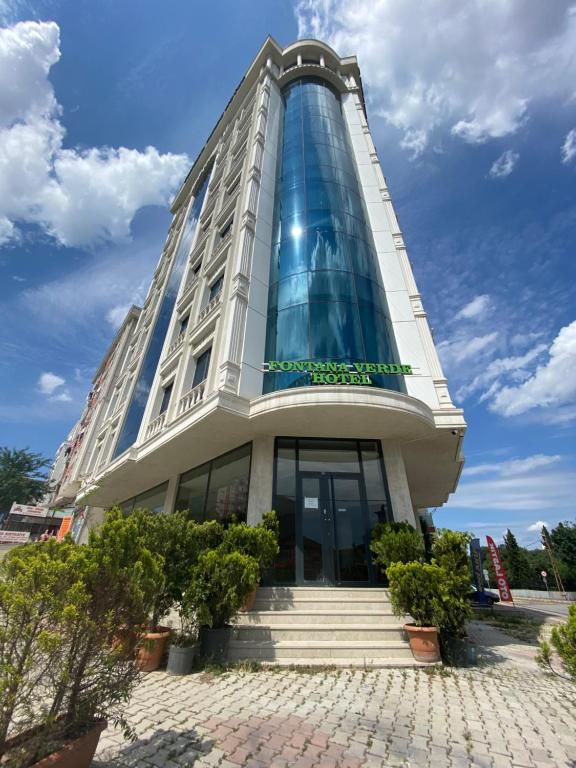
(420, 430)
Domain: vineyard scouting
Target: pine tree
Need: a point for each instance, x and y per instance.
(22, 477)
(515, 562)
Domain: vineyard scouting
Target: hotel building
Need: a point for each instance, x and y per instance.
(282, 359)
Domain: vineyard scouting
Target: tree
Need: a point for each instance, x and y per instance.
(23, 477)
(563, 540)
(515, 561)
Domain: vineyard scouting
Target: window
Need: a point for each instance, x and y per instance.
(217, 490)
(215, 288)
(166, 398)
(197, 268)
(202, 365)
(183, 325)
(153, 499)
(227, 230)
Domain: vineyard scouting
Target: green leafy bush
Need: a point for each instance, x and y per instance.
(396, 543)
(220, 582)
(258, 541)
(415, 588)
(69, 618)
(563, 640)
(449, 552)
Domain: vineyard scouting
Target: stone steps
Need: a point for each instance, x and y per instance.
(285, 651)
(272, 618)
(312, 626)
(312, 632)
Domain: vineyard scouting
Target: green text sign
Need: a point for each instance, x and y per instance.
(337, 373)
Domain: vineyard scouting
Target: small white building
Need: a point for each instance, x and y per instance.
(282, 359)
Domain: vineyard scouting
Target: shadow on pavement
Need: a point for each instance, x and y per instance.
(183, 748)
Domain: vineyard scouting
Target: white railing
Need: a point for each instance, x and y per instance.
(156, 426)
(191, 398)
(209, 308)
(189, 285)
(175, 345)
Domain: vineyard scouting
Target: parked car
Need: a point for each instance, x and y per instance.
(488, 598)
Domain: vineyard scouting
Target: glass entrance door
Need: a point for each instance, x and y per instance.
(333, 546)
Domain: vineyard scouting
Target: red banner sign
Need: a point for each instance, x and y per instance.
(501, 578)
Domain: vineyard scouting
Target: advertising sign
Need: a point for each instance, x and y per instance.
(501, 578)
(477, 569)
(337, 372)
(64, 527)
(29, 510)
(14, 537)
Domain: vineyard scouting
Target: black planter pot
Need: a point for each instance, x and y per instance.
(181, 659)
(455, 651)
(214, 644)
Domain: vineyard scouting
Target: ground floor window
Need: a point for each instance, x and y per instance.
(217, 490)
(328, 495)
(153, 499)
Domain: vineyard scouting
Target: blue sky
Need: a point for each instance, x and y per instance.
(103, 106)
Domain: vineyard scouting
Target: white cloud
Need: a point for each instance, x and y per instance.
(472, 68)
(116, 315)
(492, 375)
(552, 384)
(49, 382)
(62, 397)
(475, 308)
(537, 526)
(504, 165)
(465, 347)
(79, 197)
(537, 490)
(513, 467)
(568, 149)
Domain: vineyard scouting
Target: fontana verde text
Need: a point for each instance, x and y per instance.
(337, 373)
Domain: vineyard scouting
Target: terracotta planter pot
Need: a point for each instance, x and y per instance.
(249, 601)
(152, 648)
(75, 754)
(423, 643)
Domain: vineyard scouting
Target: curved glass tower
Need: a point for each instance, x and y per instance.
(326, 300)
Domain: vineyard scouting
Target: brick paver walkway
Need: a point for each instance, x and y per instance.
(505, 712)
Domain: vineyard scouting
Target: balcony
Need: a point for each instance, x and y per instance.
(188, 290)
(209, 308)
(191, 398)
(156, 426)
(175, 345)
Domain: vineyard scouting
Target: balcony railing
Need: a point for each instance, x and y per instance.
(156, 426)
(188, 288)
(209, 308)
(191, 398)
(175, 345)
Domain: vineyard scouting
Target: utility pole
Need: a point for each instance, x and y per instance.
(548, 547)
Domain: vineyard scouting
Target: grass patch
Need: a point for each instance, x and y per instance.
(523, 628)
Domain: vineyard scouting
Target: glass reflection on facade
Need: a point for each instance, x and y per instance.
(326, 300)
(153, 499)
(141, 391)
(328, 495)
(217, 490)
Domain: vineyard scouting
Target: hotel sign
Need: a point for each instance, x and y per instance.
(337, 373)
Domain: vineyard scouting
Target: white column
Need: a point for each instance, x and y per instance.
(261, 478)
(402, 508)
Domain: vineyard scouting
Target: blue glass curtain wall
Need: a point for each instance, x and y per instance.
(141, 391)
(326, 300)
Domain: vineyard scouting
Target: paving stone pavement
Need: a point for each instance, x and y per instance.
(503, 713)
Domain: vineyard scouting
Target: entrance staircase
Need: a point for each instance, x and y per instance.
(311, 626)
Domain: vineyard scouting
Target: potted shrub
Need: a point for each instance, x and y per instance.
(63, 671)
(414, 589)
(178, 541)
(449, 552)
(396, 543)
(258, 541)
(219, 584)
(183, 647)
